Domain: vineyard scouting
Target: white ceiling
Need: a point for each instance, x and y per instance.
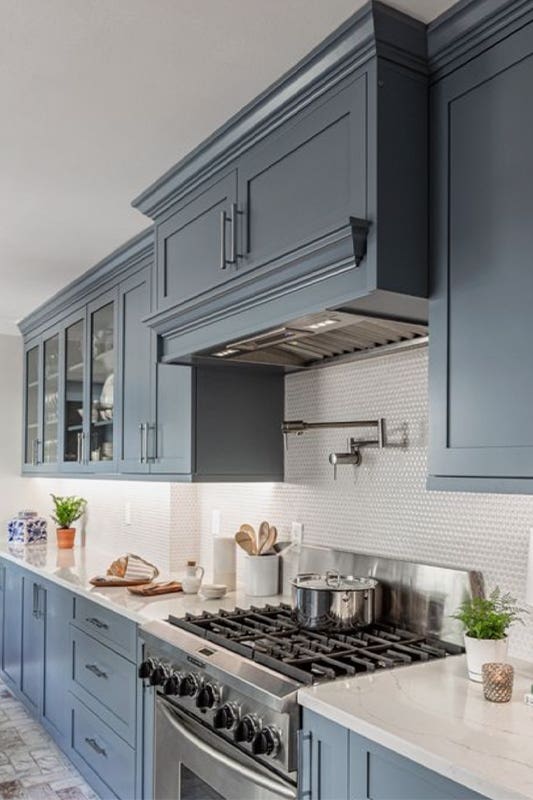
(99, 97)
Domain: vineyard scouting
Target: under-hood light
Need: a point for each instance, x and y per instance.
(315, 326)
(227, 352)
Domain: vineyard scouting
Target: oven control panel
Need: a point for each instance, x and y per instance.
(262, 732)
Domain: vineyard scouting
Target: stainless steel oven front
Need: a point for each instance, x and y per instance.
(194, 763)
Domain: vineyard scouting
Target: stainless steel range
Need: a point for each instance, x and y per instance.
(227, 716)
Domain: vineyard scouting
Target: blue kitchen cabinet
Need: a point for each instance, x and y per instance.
(12, 624)
(32, 653)
(41, 429)
(197, 243)
(58, 609)
(338, 764)
(324, 751)
(481, 376)
(314, 195)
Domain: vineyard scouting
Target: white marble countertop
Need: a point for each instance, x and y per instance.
(432, 714)
(74, 568)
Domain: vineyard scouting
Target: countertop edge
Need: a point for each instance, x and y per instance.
(78, 589)
(410, 750)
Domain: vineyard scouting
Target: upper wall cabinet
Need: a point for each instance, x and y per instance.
(481, 325)
(314, 194)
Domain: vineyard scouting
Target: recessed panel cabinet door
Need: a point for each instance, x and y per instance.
(12, 623)
(33, 641)
(136, 371)
(481, 362)
(305, 181)
(57, 661)
(193, 245)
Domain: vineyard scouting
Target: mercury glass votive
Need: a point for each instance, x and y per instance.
(497, 682)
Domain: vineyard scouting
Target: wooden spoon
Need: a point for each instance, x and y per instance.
(249, 529)
(269, 541)
(247, 542)
(264, 530)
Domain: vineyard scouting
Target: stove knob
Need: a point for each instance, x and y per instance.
(267, 742)
(145, 669)
(207, 696)
(172, 684)
(190, 685)
(247, 729)
(158, 676)
(226, 717)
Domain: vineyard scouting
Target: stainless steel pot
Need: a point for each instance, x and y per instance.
(333, 600)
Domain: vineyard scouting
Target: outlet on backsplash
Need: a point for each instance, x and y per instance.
(297, 533)
(127, 513)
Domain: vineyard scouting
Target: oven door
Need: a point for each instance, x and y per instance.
(193, 763)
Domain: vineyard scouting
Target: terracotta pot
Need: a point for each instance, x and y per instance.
(65, 538)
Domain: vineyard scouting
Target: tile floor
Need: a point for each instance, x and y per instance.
(31, 765)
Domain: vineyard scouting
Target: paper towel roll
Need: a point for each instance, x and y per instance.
(529, 576)
(224, 567)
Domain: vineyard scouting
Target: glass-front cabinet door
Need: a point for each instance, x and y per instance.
(31, 410)
(101, 450)
(74, 394)
(49, 451)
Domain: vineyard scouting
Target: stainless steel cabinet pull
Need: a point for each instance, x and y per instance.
(223, 240)
(35, 452)
(97, 623)
(96, 670)
(151, 452)
(79, 443)
(95, 746)
(142, 456)
(233, 240)
(35, 609)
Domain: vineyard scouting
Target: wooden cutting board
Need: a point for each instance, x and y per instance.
(111, 581)
(155, 589)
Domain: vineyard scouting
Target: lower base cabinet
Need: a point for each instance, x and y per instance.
(337, 764)
(73, 665)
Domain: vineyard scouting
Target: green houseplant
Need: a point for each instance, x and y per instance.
(486, 621)
(67, 510)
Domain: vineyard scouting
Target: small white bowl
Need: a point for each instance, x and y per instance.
(213, 591)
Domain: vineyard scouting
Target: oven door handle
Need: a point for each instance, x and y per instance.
(279, 789)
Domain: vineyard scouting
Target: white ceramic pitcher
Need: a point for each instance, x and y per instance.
(192, 579)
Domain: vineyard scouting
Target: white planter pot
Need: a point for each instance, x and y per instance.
(483, 651)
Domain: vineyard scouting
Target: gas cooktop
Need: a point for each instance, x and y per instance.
(269, 636)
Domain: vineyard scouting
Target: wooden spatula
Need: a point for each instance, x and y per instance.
(262, 539)
(269, 541)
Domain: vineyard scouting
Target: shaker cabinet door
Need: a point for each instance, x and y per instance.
(323, 757)
(57, 660)
(304, 181)
(172, 439)
(136, 357)
(194, 244)
(34, 609)
(12, 623)
(481, 369)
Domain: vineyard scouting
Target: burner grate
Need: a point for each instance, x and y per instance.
(269, 636)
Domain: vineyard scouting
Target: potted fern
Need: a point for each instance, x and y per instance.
(67, 510)
(486, 621)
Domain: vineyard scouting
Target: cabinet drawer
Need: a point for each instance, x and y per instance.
(106, 754)
(117, 632)
(101, 674)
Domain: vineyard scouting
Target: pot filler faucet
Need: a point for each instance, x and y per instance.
(353, 455)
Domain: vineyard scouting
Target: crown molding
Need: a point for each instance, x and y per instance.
(469, 27)
(375, 30)
(121, 260)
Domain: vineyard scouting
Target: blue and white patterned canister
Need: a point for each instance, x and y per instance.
(27, 528)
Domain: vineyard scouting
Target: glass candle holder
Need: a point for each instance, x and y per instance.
(497, 682)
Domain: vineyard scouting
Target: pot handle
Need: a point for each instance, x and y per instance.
(333, 577)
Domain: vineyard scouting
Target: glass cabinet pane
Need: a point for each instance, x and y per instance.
(32, 405)
(102, 383)
(74, 374)
(50, 400)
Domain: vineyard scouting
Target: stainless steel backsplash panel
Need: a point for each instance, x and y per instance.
(419, 597)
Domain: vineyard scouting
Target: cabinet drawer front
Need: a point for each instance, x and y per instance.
(106, 753)
(305, 182)
(109, 678)
(189, 245)
(112, 629)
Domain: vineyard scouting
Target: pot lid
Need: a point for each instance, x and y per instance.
(334, 581)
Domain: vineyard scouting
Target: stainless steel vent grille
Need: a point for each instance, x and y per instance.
(321, 338)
